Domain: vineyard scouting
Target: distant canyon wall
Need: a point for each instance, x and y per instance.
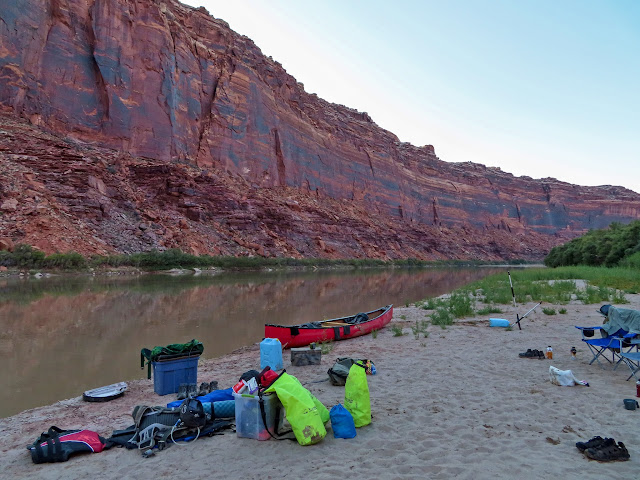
(164, 81)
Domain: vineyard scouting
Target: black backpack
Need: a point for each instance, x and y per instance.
(340, 370)
(192, 413)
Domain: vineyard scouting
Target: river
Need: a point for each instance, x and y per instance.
(63, 335)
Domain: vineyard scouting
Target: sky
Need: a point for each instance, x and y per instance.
(543, 88)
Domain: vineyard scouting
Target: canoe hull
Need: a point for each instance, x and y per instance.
(291, 336)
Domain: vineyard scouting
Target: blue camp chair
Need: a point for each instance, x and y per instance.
(614, 344)
(631, 360)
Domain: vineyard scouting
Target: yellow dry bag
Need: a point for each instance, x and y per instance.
(356, 395)
(305, 413)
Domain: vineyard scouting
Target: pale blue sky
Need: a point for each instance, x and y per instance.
(544, 88)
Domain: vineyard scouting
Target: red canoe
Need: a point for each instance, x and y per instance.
(327, 330)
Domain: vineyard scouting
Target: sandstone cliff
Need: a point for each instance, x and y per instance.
(166, 128)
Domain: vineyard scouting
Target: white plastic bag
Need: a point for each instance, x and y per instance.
(564, 378)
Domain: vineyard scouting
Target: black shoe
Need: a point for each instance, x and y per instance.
(192, 390)
(204, 389)
(608, 452)
(213, 385)
(528, 354)
(182, 391)
(595, 442)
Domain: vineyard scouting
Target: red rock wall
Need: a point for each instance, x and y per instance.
(171, 83)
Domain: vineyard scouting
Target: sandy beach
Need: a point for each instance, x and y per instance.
(458, 404)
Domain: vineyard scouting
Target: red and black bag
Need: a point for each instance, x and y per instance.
(56, 445)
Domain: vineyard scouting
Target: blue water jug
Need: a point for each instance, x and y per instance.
(498, 322)
(271, 354)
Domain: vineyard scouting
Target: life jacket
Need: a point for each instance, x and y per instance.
(56, 445)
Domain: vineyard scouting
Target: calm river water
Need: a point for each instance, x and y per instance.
(60, 336)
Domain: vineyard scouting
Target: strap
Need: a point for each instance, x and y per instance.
(294, 331)
(138, 413)
(53, 453)
(56, 454)
(147, 437)
(336, 332)
(145, 353)
(360, 364)
(277, 421)
(55, 431)
(346, 330)
(37, 455)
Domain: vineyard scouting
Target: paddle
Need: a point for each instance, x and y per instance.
(518, 317)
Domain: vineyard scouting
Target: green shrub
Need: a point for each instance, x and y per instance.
(420, 327)
(488, 310)
(432, 303)
(549, 311)
(442, 317)
(616, 245)
(27, 257)
(67, 261)
(397, 330)
(326, 347)
(460, 304)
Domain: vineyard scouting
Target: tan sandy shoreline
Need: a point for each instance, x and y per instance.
(460, 404)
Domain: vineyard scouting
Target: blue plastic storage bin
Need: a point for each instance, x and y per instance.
(169, 374)
(271, 354)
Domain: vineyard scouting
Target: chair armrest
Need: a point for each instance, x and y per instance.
(588, 328)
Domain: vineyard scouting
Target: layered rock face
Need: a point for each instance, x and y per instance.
(186, 118)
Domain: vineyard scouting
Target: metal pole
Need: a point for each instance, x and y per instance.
(512, 293)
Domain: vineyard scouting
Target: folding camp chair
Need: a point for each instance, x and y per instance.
(631, 360)
(615, 344)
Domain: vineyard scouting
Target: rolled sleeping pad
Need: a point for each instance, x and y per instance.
(498, 322)
(223, 409)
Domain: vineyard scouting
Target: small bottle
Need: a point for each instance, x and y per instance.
(573, 353)
(638, 388)
(549, 353)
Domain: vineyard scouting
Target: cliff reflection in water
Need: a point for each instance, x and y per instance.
(62, 336)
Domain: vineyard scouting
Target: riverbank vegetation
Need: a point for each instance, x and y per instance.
(24, 257)
(618, 245)
(559, 286)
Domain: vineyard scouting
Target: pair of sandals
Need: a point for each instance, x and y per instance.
(604, 449)
(532, 354)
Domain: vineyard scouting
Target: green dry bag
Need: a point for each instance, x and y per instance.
(305, 413)
(356, 395)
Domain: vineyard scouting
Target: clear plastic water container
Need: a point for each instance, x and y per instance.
(271, 354)
(249, 422)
